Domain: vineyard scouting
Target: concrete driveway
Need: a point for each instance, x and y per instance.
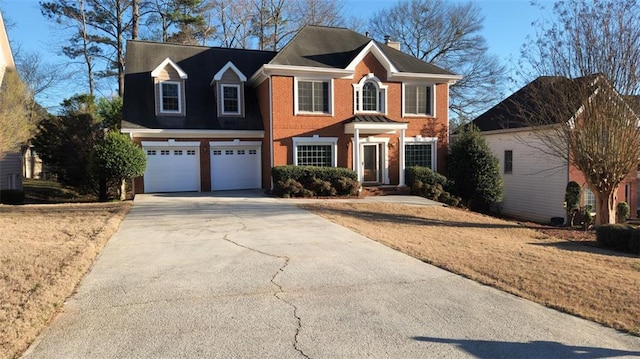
(195, 276)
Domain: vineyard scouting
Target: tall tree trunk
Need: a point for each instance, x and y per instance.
(606, 207)
(120, 46)
(135, 24)
(85, 47)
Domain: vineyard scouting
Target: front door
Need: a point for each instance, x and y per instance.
(371, 162)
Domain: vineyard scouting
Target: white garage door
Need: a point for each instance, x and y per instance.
(235, 167)
(172, 169)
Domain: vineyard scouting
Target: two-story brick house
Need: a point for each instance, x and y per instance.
(219, 119)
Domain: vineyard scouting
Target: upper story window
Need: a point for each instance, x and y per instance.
(313, 96)
(508, 161)
(370, 95)
(230, 99)
(418, 100)
(229, 88)
(169, 80)
(170, 96)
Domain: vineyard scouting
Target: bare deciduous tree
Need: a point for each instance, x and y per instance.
(447, 35)
(17, 116)
(583, 116)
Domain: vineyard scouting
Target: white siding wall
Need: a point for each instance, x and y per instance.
(535, 189)
(11, 166)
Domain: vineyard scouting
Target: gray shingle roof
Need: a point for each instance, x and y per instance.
(513, 112)
(335, 47)
(200, 64)
(371, 119)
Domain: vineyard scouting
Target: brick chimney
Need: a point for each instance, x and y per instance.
(394, 44)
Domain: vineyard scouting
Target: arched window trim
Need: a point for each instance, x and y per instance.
(381, 100)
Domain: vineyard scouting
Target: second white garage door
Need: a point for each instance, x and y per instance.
(235, 167)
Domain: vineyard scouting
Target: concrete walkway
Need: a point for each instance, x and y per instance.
(195, 276)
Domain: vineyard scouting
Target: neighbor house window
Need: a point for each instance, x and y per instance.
(589, 198)
(420, 152)
(230, 99)
(313, 96)
(370, 95)
(508, 161)
(418, 100)
(315, 151)
(170, 92)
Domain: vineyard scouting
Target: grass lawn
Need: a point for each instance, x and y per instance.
(44, 253)
(589, 282)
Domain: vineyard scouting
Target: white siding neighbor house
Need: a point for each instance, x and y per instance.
(534, 180)
(10, 163)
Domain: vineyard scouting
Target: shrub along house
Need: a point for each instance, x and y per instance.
(220, 119)
(535, 179)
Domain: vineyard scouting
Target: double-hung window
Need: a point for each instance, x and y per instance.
(315, 151)
(313, 96)
(421, 152)
(170, 92)
(230, 99)
(418, 100)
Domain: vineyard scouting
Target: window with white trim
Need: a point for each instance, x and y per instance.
(589, 198)
(230, 99)
(418, 100)
(421, 152)
(315, 151)
(170, 96)
(370, 95)
(508, 161)
(313, 96)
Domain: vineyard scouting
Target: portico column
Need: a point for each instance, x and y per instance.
(401, 159)
(356, 153)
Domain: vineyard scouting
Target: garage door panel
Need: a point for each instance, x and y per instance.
(234, 168)
(172, 169)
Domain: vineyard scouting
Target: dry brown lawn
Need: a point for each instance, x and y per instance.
(45, 250)
(595, 284)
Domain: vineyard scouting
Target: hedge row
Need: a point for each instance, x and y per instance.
(312, 181)
(429, 184)
(11, 196)
(621, 237)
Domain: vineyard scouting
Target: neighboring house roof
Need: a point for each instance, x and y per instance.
(515, 110)
(201, 64)
(336, 47)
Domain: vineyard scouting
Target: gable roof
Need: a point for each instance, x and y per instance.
(337, 47)
(201, 65)
(513, 112)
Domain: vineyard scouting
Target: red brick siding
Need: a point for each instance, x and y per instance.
(286, 125)
(577, 176)
(262, 92)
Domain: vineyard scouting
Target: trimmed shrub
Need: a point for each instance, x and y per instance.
(475, 171)
(621, 237)
(622, 212)
(11, 196)
(309, 181)
(426, 183)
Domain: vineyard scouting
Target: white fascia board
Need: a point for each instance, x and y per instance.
(168, 61)
(288, 70)
(229, 65)
(165, 133)
(436, 78)
(373, 48)
(170, 143)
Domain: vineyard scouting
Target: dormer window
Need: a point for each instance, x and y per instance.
(230, 99)
(229, 89)
(170, 96)
(169, 80)
(370, 95)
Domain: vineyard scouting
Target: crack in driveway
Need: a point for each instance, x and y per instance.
(277, 294)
